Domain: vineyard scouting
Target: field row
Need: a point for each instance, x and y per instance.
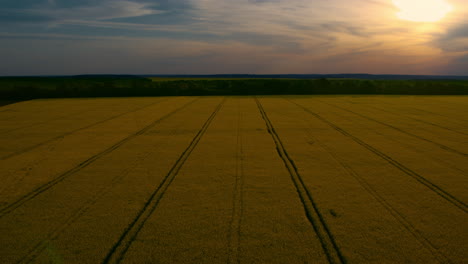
(295, 179)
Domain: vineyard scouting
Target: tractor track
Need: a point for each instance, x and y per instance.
(38, 248)
(437, 158)
(435, 113)
(44, 187)
(436, 189)
(400, 130)
(441, 258)
(311, 209)
(46, 121)
(237, 199)
(41, 122)
(76, 130)
(117, 253)
(419, 120)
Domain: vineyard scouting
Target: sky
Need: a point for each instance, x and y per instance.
(67, 37)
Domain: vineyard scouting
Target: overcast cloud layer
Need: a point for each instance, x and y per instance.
(55, 37)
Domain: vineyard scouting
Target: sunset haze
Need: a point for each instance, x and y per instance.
(58, 37)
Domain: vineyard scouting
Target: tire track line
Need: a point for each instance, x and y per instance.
(453, 120)
(44, 187)
(312, 211)
(441, 258)
(237, 199)
(438, 190)
(120, 248)
(75, 131)
(419, 120)
(19, 179)
(37, 249)
(42, 122)
(438, 159)
(400, 130)
(46, 121)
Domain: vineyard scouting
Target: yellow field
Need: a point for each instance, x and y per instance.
(297, 179)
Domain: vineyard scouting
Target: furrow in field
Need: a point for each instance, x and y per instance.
(38, 109)
(237, 199)
(420, 105)
(365, 229)
(403, 147)
(435, 188)
(82, 110)
(44, 187)
(22, 173)
(439, 256)
(313, 213)
(37, 249)
(68, 115)
(438, 109)
(419, 120)
(117, 253)
(442, 146)
(90, 112)
(42, 245)
(73, 218)
(35, 113)
(193, 222)
(29, 148)
(420, 111)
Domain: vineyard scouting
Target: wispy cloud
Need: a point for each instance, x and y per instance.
(209, 36)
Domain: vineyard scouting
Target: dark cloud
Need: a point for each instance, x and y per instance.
(16, 16)
(345, 28)
(23, 4)
(263, 1)
(173, 12)
(455, 39)
(171, 5)
(460, 31)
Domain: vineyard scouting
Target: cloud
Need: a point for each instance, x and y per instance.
(14, 16)
(102, 11)
(221, 36)
(455, 39)
(61, 12)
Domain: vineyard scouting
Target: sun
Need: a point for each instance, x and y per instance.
(422, 10)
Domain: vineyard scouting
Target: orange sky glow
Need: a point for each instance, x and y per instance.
(224, 36)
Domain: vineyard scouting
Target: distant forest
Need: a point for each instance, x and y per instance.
(22, 88)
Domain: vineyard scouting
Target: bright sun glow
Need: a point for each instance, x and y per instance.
(423, 10)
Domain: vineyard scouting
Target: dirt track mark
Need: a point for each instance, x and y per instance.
(237, 199)
(434, 113)
(400, 130)
(45, 121)
(312, 212)
(438, 190)
(381, 200)
(44, 187)
(118, 251)
(74, 131)
(419, 120)
(37, 249)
